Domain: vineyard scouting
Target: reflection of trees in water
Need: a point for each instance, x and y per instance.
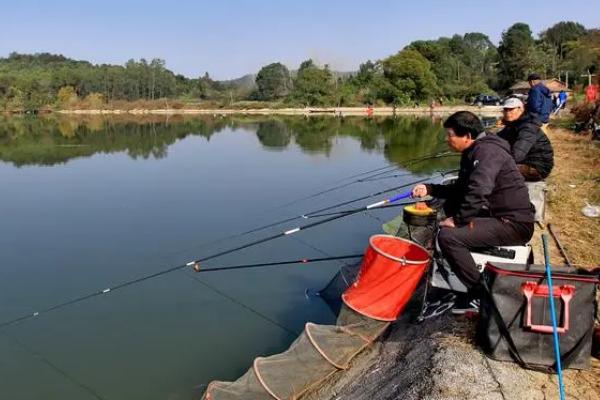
(273, 134)
(52, 140)
(313, 134)
(409, 138)
(56, 139)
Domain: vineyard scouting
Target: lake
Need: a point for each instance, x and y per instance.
(89, 203)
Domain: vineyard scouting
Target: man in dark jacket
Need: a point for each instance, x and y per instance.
(488, 205)
(539, 99)
(529, 145)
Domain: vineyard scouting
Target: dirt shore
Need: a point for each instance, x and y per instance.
(337, 111)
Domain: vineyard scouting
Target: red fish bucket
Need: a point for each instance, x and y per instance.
(390, 272)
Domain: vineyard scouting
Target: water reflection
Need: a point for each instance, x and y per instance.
(57, 139)
(78, 227)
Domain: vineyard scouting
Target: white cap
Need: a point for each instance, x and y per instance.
(512, 102)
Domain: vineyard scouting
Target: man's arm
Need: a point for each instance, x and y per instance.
(441, 191)
(481, 183)
(526, 138)
(429, 189)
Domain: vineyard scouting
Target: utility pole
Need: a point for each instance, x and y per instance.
(566, 78)
(589, 76)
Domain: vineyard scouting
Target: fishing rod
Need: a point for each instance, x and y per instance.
(198, 268)
(194, 263)
(313, 213)
(389, 168)
(362, 209)
(310, 214)
(378, 178)
(556, 341)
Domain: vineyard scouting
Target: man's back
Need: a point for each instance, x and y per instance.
(539, 102)
(529, 144)
(488, 182)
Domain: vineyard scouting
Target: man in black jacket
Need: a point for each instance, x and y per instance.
(488, 205)
(529, 145)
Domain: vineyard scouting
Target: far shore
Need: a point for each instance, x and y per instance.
(336, 111)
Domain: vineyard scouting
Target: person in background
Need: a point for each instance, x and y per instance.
(555, 103)
(591, 93)
(562, 97)
(529, 145)
(488, 205)
(539, 100)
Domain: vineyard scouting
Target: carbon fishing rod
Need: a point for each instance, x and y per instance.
(198, 268)
(312, 213)
(387, 169)
(379, 178)
(195, 263)
(367, 208)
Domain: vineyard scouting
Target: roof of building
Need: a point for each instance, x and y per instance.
(553, 84)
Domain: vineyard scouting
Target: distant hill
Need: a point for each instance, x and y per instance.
(246, 82)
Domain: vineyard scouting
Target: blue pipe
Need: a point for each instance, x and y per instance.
(561, 384)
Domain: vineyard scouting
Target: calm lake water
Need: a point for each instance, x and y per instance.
(89, 203)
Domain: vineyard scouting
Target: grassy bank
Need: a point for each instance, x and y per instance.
(574, 181)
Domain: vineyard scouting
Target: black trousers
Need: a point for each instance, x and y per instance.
(456, 243)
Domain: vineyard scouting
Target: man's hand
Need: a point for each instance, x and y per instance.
(448, 223)
(419, 191)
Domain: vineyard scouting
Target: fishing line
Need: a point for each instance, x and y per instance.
(443, 173)
(338, 215)
(392, 168)
(306, 215)
(307, 292)
(312, 213)
(172, 269)
(65, 374)
(387, 166)
(292, 332)
(377, 178)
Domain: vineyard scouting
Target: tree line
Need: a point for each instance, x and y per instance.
(448, 68)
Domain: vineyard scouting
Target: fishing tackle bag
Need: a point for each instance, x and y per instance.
(515, 320)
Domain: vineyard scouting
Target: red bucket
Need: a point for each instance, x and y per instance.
(390, 272)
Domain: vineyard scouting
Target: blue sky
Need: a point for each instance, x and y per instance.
(231, 38)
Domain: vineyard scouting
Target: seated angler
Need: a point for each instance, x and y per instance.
(529, 145)
(488, 205)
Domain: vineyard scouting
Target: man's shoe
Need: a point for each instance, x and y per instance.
(436, 308)
(466, 305)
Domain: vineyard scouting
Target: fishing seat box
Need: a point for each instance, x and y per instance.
(515, 322)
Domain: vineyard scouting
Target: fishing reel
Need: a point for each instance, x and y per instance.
(419, 214)
(421, 223)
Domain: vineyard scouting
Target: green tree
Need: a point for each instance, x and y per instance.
(273, 82)
(67, 96)
(410, 73)
(583, 55)
(313, 86)
(515, 53)
(94, 100)
(560, 34)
